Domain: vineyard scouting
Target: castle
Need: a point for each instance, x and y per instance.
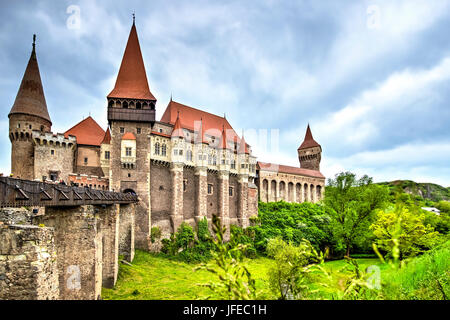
(189, 165)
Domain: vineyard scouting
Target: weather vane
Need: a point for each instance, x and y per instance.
(134, 17)
(34, 41)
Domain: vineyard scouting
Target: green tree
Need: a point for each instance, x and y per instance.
(399, 227)
(352, 203)
(290, 276)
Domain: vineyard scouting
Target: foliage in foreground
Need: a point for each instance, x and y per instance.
(235, 280)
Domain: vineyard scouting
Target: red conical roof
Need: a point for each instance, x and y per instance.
(30, 98)
(200, 138)
(243, 146)
(223, 144)
(107, 137)
(309, 141)
(132, 81)
(177, 129)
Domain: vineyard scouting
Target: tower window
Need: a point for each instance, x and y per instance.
(29, 126)
(230, 191)
(52, 152)
(128, 151)
(184, 185)
(210, 189)
(129, 175)
(138, 130)
(85, 160)
(122, 129)
(157, 148)
(107, 155)
(164, 150)
(18, 125)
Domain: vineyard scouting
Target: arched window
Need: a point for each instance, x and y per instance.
(164, 150)
(125, 105)
(157, 148)
(138, 105)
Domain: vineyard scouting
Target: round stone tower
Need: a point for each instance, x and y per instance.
(28, 113)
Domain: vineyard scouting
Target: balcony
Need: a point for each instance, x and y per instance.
(135, 115)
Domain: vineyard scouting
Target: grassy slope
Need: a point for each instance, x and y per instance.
(164, 279)
(429, 191)
(156, 277)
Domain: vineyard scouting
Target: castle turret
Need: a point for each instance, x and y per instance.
(28, 113)
(131, 109)
(309, 152)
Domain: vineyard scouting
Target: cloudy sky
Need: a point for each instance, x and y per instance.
(371, 77)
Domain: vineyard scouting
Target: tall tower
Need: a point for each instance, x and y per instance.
(131, 113)
(309, 152)
(29, 112)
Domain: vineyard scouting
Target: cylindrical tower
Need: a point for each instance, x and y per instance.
(28, 113)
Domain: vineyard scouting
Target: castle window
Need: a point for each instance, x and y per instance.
(128, 151)
(122, 129)
(209, 159)
(175, 152)
(125, 105)
(163, 150)
(189, 155)
(184, 185)
(157, 148)
(29, 126)
(160, 130)
(52, 152)
(230, 191)
(18, 125)
(107, 155)
(42, 128)
(210, 189)
(53, 175)
(138, 105)
(214, 160)
(233, 164)
(138, 130)
(85, 160)
(129, 175)
(181, 152)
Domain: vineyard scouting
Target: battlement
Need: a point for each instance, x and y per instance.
(52, 139)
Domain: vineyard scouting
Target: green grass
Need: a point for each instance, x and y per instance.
(155, 277)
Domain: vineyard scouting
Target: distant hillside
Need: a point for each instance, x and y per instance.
(429, 191)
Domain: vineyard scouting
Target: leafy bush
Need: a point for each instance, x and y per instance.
(290, 276)
(155, 233)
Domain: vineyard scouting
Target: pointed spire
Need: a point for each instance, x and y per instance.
(243, 145)
(177, 129)
(223, 144)
(309, 141)
(131, 82)
(30, 98)
(107, 137)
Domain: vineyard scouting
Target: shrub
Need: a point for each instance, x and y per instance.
(155, 233)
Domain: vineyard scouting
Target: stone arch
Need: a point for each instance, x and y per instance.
(298, 192)
(27, 135)
(118, 104)
(131, 105)
(305, 193)
(311, 192)
(265, 191)
(138, 105)
(17, 135)
(129, 191)
(319, 193)
(282, 191)
(144, 105)
(290, 195)
(273, 190)
(125, 105)
(21, 135)
(111, 103)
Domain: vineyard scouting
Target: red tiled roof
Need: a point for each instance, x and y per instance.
(161, 134)
(309, 141)
(211, 123)
(30, 98)
(291, 170)
(177, 129)
(107, 137)
(87, 132)
(128, 136)
(132, 81)
(223, 143)
(243, 146)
